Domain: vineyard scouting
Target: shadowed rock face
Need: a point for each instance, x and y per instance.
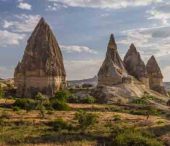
(135, 65)
(155, 76)
(41, 68)
(112, 71)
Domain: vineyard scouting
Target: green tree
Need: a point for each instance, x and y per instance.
(85, 119)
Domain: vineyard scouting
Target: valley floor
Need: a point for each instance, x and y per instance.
(29, 128)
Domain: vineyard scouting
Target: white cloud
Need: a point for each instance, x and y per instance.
(77, 49)
(82, 69)
(24, 5)
(150, 41)
(6, 72)
(161, 13)
(113, 4)
(23, 23)
(161, 16)
(54, 6)
(10, 38)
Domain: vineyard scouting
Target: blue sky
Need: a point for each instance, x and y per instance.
(82, 28)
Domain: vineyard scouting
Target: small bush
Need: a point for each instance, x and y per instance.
(59, 105)
(116, 117)
(75, 99)
(16, 108)
(146, 111)
(59, 124)
(88, 99)
(132, 137)
(25, 103)
(59, 101)
(85, 119)
(141, 101)
(62, 95)
(1, 92)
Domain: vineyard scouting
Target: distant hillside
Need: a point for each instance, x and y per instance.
(92, 81)
(167, 86)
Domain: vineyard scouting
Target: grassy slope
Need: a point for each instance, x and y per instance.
(20, 127)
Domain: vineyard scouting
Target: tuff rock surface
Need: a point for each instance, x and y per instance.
(112, 71)
(135, 65)
(41, 68)
(155, 76)
(123, 81)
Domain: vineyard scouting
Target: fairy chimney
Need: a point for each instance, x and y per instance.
(135, 65)
(155, 76)
(112, 71)
(41, 69)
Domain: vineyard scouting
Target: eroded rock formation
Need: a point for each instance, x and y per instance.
(135, 65)
(41, 68)
(155, 76)
(112, 71)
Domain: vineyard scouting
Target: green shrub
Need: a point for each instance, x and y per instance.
(25, 103)
(16, 108)
(131, 138)
(116, 117)
(75, 99)
(1, 92)
(146, 111)
(148, 96)
(59, 101)
(57, 104)
(59, 124)
(122, 136)
(88, 99)
(62, 95)
(141, 101)
(85, 119)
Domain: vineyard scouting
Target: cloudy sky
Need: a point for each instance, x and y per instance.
(82, 28)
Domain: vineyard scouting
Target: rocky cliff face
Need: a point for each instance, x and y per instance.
(155, 76)
(135, 65)
(112, 71)
(41, 68)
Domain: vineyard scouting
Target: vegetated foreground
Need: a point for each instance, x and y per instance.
(46, 122)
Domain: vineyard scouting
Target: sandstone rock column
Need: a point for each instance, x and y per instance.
(41, 69)
(112, 71)
(155, 76)
(135, 65)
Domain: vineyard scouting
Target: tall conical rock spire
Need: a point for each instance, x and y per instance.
(112, 43)
(41, 68)
(135, 65)
(153, 68)
(155, 76)
(112, 70)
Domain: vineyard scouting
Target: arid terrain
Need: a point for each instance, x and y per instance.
(29, 127)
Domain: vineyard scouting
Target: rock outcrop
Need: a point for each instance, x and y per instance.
(135, 65)
(112, 71)
(155, 76)
(123, 81)
(41, 68)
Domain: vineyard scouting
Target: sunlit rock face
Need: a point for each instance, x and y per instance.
(135, 65)
(155, 76)
(112, 71)
(41, 69)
